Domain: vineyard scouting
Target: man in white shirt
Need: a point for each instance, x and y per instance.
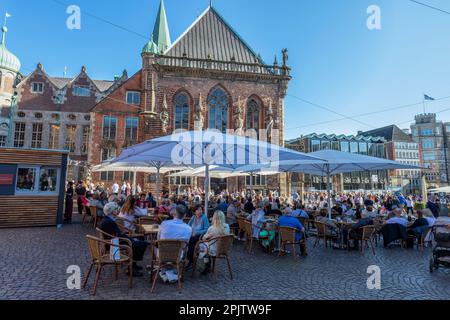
(115, 188)
(176, 229)
(124, 188)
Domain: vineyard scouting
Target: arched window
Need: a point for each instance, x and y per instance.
(181, 111)
(218, 110)
(253, 112)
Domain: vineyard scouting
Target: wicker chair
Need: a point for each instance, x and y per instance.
(121, 223)
(223, 248)
(287, 237)
(100, 257)
(241, 229)
(170, 253)
(322, 234)
(248, 229)
(378, 223)
(87, 216)
(304, 221)
(367, 235)
(95, 215)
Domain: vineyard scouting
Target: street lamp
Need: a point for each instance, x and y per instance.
(13, 99)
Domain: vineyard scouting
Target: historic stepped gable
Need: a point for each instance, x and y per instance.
(210, 37)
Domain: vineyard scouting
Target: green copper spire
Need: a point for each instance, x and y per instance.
(151, 48)
(161, 35)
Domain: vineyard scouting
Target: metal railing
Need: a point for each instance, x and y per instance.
(227, 66)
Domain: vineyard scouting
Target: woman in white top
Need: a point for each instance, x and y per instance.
(218, 228)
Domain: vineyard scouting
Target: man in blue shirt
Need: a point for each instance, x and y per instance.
(287, 220)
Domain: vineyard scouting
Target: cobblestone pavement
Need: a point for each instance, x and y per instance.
(33, 265)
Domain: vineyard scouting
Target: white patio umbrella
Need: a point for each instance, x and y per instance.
(335, 162)
(206, 148)
(440, 190)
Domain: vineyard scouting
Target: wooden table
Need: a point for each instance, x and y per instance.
(151, 231)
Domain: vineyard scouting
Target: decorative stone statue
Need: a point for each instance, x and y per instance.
(165, 115)
(199, 117)
(238, 117)
(270, 121)
(285, 57)
(89, 173)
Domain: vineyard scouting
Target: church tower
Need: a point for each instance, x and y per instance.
(158, 44)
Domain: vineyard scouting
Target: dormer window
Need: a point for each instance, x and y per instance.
(37, 87)
(133, 97)
(80, 91)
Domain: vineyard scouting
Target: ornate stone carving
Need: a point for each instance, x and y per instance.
(238, 117)
(270, 121)
(164, 115)
(285, 57)
(199, 117)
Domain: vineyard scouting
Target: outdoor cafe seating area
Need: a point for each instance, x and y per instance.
(173, 230)
(266, 238)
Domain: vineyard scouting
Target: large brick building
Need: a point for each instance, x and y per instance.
(208, 76)
(54, 113)
(49, 112)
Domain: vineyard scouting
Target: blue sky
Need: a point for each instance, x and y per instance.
(337, 62)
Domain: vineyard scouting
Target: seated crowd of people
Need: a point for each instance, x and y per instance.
(183, 217)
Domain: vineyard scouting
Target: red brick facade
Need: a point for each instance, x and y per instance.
(238, 87)
(196, 69)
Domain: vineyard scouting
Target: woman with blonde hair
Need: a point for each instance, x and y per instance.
(219, 228)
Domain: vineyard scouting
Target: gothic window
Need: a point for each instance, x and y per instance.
(253, 112)
(218, 110)
(181, 111)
